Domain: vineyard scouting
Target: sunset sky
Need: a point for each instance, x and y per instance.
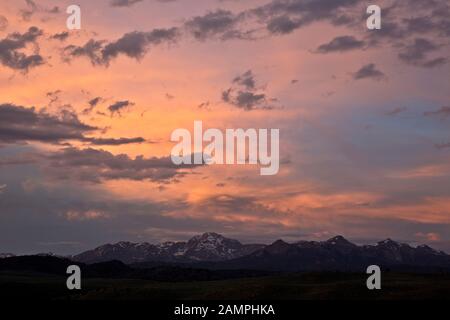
(86, 117)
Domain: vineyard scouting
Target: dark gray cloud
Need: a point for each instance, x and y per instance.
(244, 99)
(416, 53)
(230, 203)
(369, 71)
(434, 18)
(95, 166)
(95, 101)
(114, 142)
(10, 55)
(92, 104)
(244, 94)
(341, 44)
(62, 36)
(204, 105)
(218, 24)
(53, 96)
(422, 24)
(123, 3)
(246, 80)
(284, 16)
(90, 49)
(134, 45)
(129, 3)
(283, 25)
(20, 125)
(118, 106)
(390, 33)
(434, 62)
(443, 112)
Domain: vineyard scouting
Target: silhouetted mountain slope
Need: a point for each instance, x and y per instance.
(52, 265)
(38, 263)
(339, 254)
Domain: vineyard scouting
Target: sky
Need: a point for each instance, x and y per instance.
(86, 118)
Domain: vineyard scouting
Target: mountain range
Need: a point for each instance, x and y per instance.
(214, 251)
(206, 247)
